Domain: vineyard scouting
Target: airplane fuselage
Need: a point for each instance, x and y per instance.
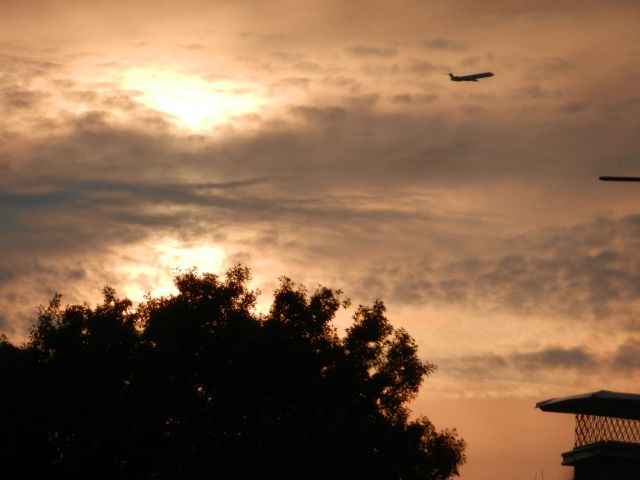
(470, 78)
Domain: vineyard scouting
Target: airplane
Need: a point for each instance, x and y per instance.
(607, 178)
(470, 78)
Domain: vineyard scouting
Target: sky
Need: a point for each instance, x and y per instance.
(324, 141)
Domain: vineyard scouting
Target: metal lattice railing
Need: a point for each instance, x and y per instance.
(592, 429)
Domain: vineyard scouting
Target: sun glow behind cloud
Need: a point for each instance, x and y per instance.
(149, 268)
(194, 102)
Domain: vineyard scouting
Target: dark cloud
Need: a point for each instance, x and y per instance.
(75, 216)
(24, 69)
(364, 101)
(93, 187)
(407, 98)
(119, 102)
(627, 355)
(17, 98)
(193, 46)
(112, 101)
(577, 358)
(343, 82)
(589, 271)
(35, 281)
(574, 107)
(585, 367)
(307, 66)
(95, 195)
(525, 366)
(11, 200)
(297, 61)
(550, 66)
(264, 37)
(620, 105)
(370, 148)
(6, 276)
(363, 172)
(315, 114)
(379, 70)
(441, 43)
(287, 57)
(536, 91)
(424, 67)
(289, 83)
(86, 96)
(473, 61)
(372, 51)
(476, 367)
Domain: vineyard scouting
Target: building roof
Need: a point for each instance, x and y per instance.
(603, 403)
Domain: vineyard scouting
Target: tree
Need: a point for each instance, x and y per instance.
(198, 385)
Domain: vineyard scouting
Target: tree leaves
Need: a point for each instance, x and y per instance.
(199, 385)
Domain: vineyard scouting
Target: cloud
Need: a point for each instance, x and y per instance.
(34, 283)
(6, 275)
(289, 83)
(627, 355)
(550, 66)
(525, 372)
(472, 210)
(264, 37)
(111, 101)
(315, 114)
(343, 82)
(535, 91)
(17, 98)
(441, 43)
(376, 164)
(407, 98)
(424, 67)
(568, 369)
(362, 102)
(533, 370)
(574, 107)
(193, 46)
(25, 69)
(556, 357)
(372, 51)
(585, 272)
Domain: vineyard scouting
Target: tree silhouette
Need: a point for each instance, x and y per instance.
(198, 385)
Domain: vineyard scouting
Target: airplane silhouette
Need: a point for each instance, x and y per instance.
(608, 178)
(470, 78)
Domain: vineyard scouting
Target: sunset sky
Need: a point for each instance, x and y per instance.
(323, 140)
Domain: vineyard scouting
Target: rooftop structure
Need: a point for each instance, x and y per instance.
(607, 442)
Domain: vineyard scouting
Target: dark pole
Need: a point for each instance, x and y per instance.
(619, 179)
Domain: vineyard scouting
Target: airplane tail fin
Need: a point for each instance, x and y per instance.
(451, 75)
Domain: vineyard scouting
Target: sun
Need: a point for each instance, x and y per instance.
(194, 102)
